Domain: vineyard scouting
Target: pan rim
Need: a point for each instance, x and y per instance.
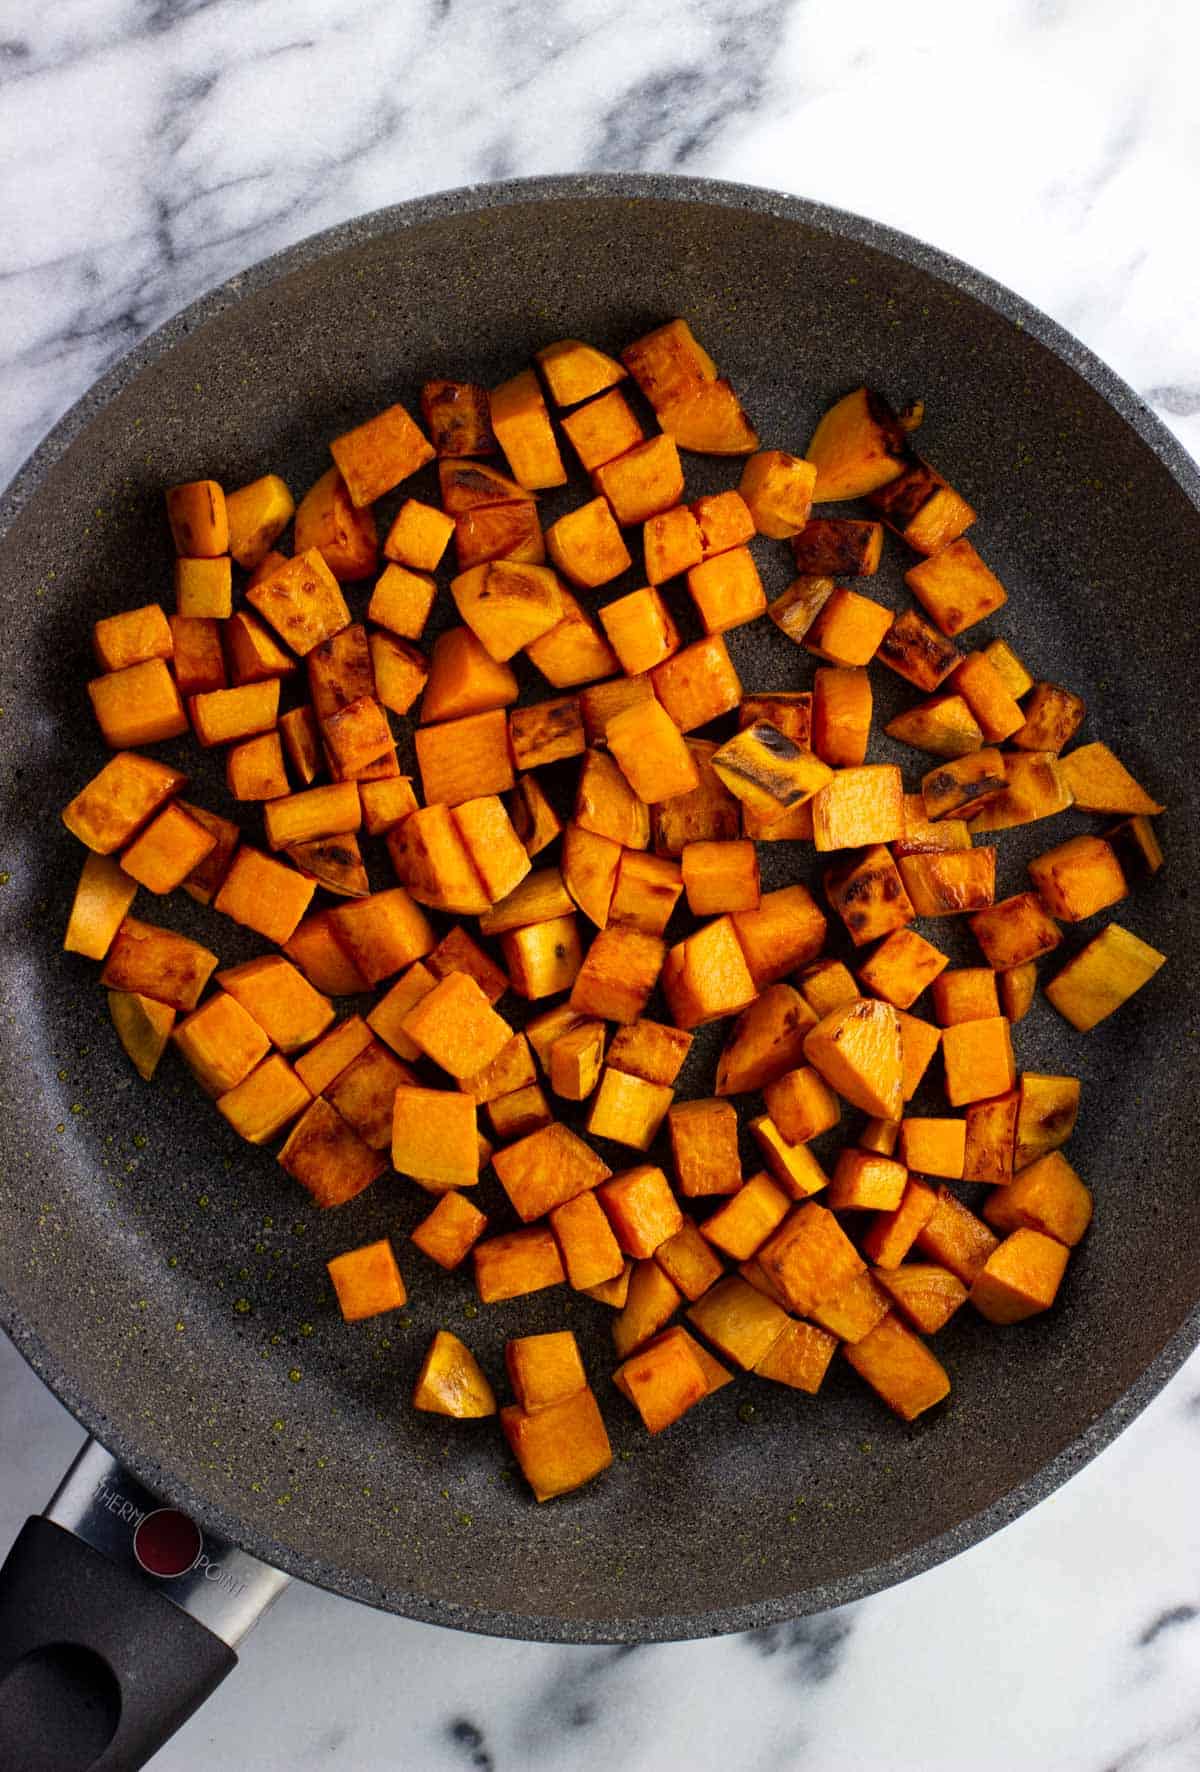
(576, 187)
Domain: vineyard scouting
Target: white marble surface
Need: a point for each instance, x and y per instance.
(151, 148)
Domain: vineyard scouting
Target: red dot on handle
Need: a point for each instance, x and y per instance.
(167, 1543)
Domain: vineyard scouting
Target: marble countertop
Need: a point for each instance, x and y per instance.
(152, 148)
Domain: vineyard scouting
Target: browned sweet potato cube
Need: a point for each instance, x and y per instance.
(198, 518)
(524, 432)
(663, 1380)
(544, 1369)
(949, 884)
(382, 933)
(766, 1040)
(462, 759)
(826, 985)
(643, 481)
(697, 684)
(456, 1026)
(434, 1137)
(618, 975)
(917, 652)
(167, 850)
(576, 1058)
(560, 1448)
(956, 589)
(302, 602)
(204, 588)
(132, 637)
(793, 1165)
(451, 1381)
(589, 869)
(727, 590)
(649, 1049)
(137, 705)
(328, 520)
(533, 818)
(641, 1208)
(257, 514)
(102, 899)
(721, 876)
(645, 892)
(458, 418)
(328, 1058)
(590, 1252)
(607, 805)
(742, 1224)
(741, 1322)
(254, 769)
(842, 707)
(328, 1158)
(628, 1109)
(151, 962)
(367, 1281)
(586, 546)
(990, 1133)
(799, 1358)
(546, 1168)
(224, 715)
(810, 1258)
(689, 1262)
(1020, 1277)
(1078, 878)
(892, 1234)
(197, 659)
(801, 1105)
(400, 673)
(651, 753)
(706, 976)
(364, 1094)
(1014, 931)
(339, 671)
(672, 543)
(944, 726)
(220, 1043)
(862, 1181)
(516, 1263)
(954, 1237)
(1096, 981)
(837, 546)
(546, 732)
(377, 455)
(449, 1233)
(868, 893)
(464, 678)
(495, 851)
(651, 1299)
(725, 522)
(640, 628)
(263, 894)
(965, 993)
(543, 958)
(574, 651)
(964, 785)
(415, 542)
(1053, 715)
(540, 897)
(709, 813)
(902, 966)
(899, 1368)
(778, 490)
(858, 446)
(979, 1060)
(602, 430)
(858, 807)
(848, 628)
(262, 1104)
(520, 1112)
(1046, 1118)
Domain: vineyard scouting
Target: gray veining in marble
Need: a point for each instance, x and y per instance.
(154, 147)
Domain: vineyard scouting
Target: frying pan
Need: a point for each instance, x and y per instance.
(168, 1281)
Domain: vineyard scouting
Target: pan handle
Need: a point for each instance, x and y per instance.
(118, 1618)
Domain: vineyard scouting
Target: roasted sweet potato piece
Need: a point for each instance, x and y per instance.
(799, 1358)
(367, 1281)
(1035, 788)
(1046, 1118)
(458, 418)
(1078, 878)
(1053, 715)
(858, 807)
(1016, 989)
(263, 894)
(882, 1136)
(102, 899)
(586, 546)
(810, 1258)
(922, 509)
(602, 430)
(377, 455)
(768, 772)
(1014, 931)
(199, 519)
(710, 421)
(166, 851)
(575, 1060)
(651, 1299)
(628, 1109)
(333, 862)
(143, 1028)
(221, 1043)
(709, 813)
(546, 731)
(799, 606)
(618, 975)
(778, 490)
(465, 679)
(704, 1144)
(511, 1069)
(1098, 782)
(725, 522)
(607, 805)
(226, 715)
(979, 1059)
(257, 515)
(456, 1026)
(197, 659)
(793, 1166)
(364, 1094)
(463, 759)
(857, 1051)
(944, 726)
(327, 519)
(381, 934)
(302, 601)
(546, 1169)
(523, 430)
(934, 1146)
(741, 1322)
(507, 604)
(858, 446)
(432, 860)
(574, 651)
(1102, 976)
(651, 753)
(825, 985)
(539, 898)
(534, 819)
(662, 1381)
(706, 976)
(254, 769)
(543, 958)
(496, 852)
(672, 544)
(801, 1104)
(574, 371)
(449, 1233)
(917, 652)
(118, 801)
(954, 1237)
(544, 1369)
(640, 629)
(848, 628)
(837, 547)
(643, 481)
(262, 1104)
(1020, 1278)
(327, 1059)
(868, 894)
(963, 785)
(899, 1368)
(323, 959)
(854, 1310)
(415, 543)
(697, 684)
(922, 836)
(720, 877)
(137, 705)
(400, 673)
(956, 590)
(1048, 1197)
(589, 870)
(892, 1234)
(646, 891)
(561, 1448)
(987, 696)
(766, 1040)
(948, 884)
(863, 1181)
(727, 590)
(132, 637)
(204, 588)
(451, 1381)
(842, 706)
(340, 672)
(157, 963)
(386, 803)
(669, 365)
(902, 966)
(435, 1137)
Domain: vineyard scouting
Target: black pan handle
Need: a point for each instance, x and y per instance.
(118, 1618)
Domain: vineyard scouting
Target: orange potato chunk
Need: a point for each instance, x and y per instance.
(810, 1258)
(645, 480)
(640, 628)
(586, 546)
(705, 976)
(742, 1224)
(662, 1381)
(857, 1050)
(449, 1233)
(262, 1104)
(302, 601)
(220, 1043)
(367, 1281)
(933, 1146)
(463, 759)
(799, 1358)
(517, 1263)
(524, 432)
(451, 1381)
(1020, 1278)
(102, 899)
(138, 705)
(435, 1137)
(899, 1368)
(741, 1322)
(641, 1208)
(199, 519)
(956, 590)
(602, 430)
(152, 962)
(560, 1448)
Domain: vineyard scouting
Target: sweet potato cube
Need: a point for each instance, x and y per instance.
(166, 851)
(254, 769)
(540, 897)
(456, 1026)
(741, 1322)
(709, 813)
(628, 1109)
(902, 966)
(602, 430)
(560, 1448)
(546, 732)
(669, 365)
(891, 1235)
(364, 1093)
(1102, 976)
(199, 519)
(517, 1263)
(854, 1310)
(524, 432)
(465, 679)
(606, 804)
(858, 446)
(589, 870)
(132, 637)
(574, 371)
(358, 736)
(576, 1058)
(646, 891)
(799, 1358)
(899, 1368)
(544, 1369)
(867, 892)
(400, 673)
(511, 1069)
(858, 807)
(641, 1208)
(457, 417)
(197, 659)
(698, 684)
(102, 899)
(857, 1050)
(882, 1136)
(651, 753)
(220, 1043)
(1078, 878)
(451, 1381)
(727, 590)
(801, 1105)
(1053, 715)
(283, 1003)
(323, 959)
(302, 602)
(662, 1381)
(934, 1147)
(918, 653)
(574, 651)
(262, 1104)
(793, 1165)
(778, 490)
(375, 456)
(810, 1258)
(706, 976)
(449, 1233)
(688, 1262)
(254, 655)
(257, 515)
(767, 772)
(848, 628)
(617, 976)
(965, 993)
(742, 1223)
(919, 1040)
(586, 546)
(1048, 1197)
(533, 818)
(495, 851)
(367, 1281)
(826, 985)
(589, 1250)
(649, 1049)
(839, 547)
(143, 1028)
(226, 715)
(204, 589)
(951, 883)
(431, 858)
(922, 836)
(988, 697)
(137, 705)
(1098, 782)
(955, 1238)
(330, 811)
(1020, 1278)
(157, 963)
(546, 1168)
(841, 719)
(435, 1137)
(720, 876)
(921, 508)
(385, 803)
(640, 628)
(1048, 1111)
(672, 543)
(328, 522)
(414, 544)
(327, 1059)
(786, 930)
(956, 589)
(766, 1040)
(710, 421)
(990, 1134)
(1035, 789)
(381, 934)
(978, 1059)
(543, 958)
(725, 521)
(963, 785)
(651, 1300)
(264, 895)
(799, 606)
(643, 481)
(862, 1181)
(1014, 931)
(463, 759)
(946, 727)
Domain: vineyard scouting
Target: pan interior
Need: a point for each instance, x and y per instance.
(170, 1280)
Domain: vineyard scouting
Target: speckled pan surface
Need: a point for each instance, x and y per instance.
(169, 1282)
